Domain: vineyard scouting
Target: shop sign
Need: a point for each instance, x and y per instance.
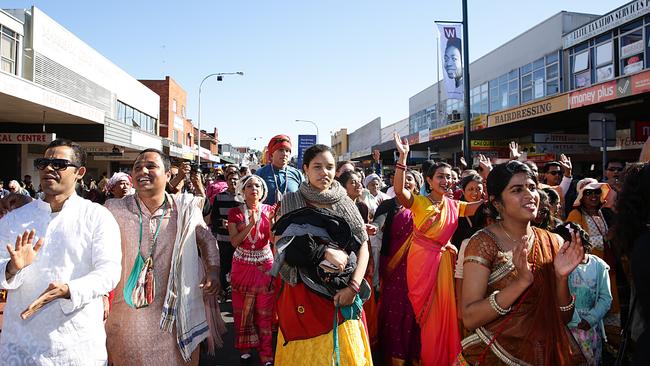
(624, 141)
(531, 110)
(633, 48)
(560, 138)
(26, 138)
(423, 136)
(188, 153)
(457, 128)
(413, 138)
(146, 141)
(640, 82)
(129, 156)
(175, 149)
(607, 22)
(488, 143)
(567, 148)
(595, 94)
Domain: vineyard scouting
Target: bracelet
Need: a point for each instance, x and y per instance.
(400, 166)
(493, 303)
(354, 286)
(571, 305)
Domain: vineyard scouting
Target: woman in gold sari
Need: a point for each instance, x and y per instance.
(515, 291)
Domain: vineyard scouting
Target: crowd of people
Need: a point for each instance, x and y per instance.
(495, 264)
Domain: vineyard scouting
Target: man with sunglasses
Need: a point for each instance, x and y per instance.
(66, 256)
(613, 173)
(280, 178)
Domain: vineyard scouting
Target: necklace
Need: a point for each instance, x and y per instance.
(258, 222)
(526, 238)
(155, 235)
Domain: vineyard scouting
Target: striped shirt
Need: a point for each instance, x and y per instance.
(223, 202)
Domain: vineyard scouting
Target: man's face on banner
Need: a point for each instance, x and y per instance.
(453, 64)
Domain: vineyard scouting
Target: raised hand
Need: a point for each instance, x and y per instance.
(520, 260)
(463, 163)
(401, 146)
(565, 162)
(24, 253)
(569, 256)
(513, 147)
(484, 163)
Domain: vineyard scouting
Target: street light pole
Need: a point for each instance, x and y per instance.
(468, 123)
(218, 75)
(313, 123)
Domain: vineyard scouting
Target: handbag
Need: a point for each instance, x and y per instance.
(138, 265)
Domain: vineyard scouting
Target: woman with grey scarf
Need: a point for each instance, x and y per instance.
(306, 317)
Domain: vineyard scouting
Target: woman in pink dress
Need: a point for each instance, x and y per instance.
(249, 226)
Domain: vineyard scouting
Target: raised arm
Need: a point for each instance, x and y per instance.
(404, 197)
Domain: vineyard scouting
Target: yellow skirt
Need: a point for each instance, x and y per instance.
(317, 351)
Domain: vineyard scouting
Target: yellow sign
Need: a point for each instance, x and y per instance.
(457, 128)
(547, 106)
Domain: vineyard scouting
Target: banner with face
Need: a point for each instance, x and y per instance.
(451, 51)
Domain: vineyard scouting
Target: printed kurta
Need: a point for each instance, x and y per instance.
(134, 335)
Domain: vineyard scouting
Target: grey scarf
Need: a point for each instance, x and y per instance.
(335, 196)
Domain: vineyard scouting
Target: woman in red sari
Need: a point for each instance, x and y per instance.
(429, 276)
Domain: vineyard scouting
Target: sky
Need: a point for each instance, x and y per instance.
(339, 63)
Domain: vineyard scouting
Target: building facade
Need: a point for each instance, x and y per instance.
(53, 85)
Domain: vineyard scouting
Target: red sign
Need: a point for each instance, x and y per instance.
(641, 83)
(595, 94)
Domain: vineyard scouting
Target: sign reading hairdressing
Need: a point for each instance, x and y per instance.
(607, 22)
(531, 110)
(451, 51)
(26, 138)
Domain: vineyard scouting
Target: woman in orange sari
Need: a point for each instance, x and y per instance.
(430, 276)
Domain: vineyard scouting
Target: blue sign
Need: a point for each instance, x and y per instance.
(304, 143)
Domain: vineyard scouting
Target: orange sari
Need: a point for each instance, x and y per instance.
(430, 278)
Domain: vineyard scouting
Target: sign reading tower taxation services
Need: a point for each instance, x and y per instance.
(304, 143)
(451, 53)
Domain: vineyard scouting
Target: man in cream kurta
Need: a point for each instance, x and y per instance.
(73, 264)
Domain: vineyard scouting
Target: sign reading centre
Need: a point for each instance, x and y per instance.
(304, 143)
(26, 138)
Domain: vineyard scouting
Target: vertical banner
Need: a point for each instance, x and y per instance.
(304, 143)
(451, 52)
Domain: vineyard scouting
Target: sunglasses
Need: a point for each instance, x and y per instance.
(554, 172)
(590, 192)
(56, 164)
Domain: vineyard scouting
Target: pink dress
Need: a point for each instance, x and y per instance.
(252, 290)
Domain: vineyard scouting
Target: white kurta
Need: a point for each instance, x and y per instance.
(81, 248)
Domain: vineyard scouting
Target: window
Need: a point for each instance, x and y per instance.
(135, 118)
(494, 96)
(581, 61)
(8, 50)
(182, 110)
(631, 51)
(174, 105)
(604, 61)
(175, 137)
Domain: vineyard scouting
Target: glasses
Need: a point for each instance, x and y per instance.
(615, 169)
(56, 164)
(554, 172)
(590, 192)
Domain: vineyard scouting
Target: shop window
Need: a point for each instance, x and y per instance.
(631, 52)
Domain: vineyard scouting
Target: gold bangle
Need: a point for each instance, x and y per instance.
(492, 299)
(571, 305)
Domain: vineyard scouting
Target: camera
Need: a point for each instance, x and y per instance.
(194, 167)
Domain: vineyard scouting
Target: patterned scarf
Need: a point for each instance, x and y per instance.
(337, 197)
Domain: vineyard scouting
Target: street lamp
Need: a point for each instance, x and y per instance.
(219, 76)
(313, 123)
